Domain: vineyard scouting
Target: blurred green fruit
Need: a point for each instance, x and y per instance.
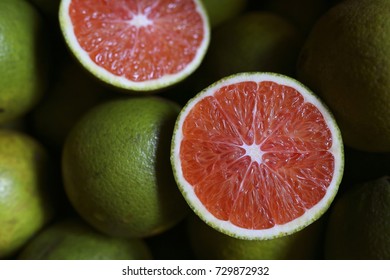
(359, 223)
(72, 239)
(221, 11)
(346, 60)
(208, 243)
(26, 202)
(23, 59)
(255, 41)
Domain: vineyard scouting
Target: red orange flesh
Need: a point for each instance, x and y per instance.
(257, 154)
(140, 40)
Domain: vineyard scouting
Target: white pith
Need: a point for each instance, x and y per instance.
(121, 81)
(278, 230)
(254, 152)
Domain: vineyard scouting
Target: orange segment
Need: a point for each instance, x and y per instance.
(209, 157)
(208, 121)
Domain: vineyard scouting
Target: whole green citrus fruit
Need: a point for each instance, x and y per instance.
(220, 11)
(26, 203)
(359, 223)
(254, 41)
(23, 52)
(302, 13)
(117, 171)
(346, 60)
(208, 243)
(72, 239)
(71, 93)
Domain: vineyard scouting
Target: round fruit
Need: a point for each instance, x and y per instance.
(302, 13)
(25, 200)
(254, 41)
(257, 155)
(136, 45)
(22, 59)
(359, 223)
(116, 167)
(208, 243)
(71, 94)
(72, 239)
(346, 60)
(219, 12)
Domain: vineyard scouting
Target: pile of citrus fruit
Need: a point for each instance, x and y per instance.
(194, 129)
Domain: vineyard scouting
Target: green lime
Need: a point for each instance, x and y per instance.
(72, 239)
(220, 11)
(72, 92)
(359, 223)
(208, 243)
(26, 202)
(254, 41)
(117, 171)
(302, 13)
(23, 58)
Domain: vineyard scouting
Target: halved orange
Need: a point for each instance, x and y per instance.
(140, 45)
(257, 155)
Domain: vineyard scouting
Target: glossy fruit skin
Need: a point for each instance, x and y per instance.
(359, 223)
(116, 167)
(23, 59)
(26, 197)
(346, 59)
(73, 239)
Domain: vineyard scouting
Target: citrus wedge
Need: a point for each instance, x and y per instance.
(139, 45)
(257, 155)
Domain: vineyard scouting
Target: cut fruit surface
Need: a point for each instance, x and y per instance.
(135, 44)
(257, 155)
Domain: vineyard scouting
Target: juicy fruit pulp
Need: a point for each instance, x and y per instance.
(257, 152)
(137, 44)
